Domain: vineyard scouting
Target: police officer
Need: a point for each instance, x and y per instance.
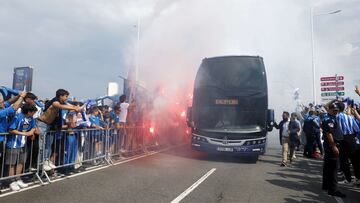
(331, 157)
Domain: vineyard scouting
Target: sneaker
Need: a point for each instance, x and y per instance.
(52, 165)
(96, 162)
(357, 182)
(283, 164)
(123, 151)
(337, 194)
(46, 166)
(14, 186)
(294, 157)
(345, 182)
(33, 169)
(22, 184)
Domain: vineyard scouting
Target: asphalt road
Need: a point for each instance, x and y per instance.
(164, 176)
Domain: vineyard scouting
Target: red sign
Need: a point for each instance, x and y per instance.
(332, 83)
(332, 89)
(333, 78)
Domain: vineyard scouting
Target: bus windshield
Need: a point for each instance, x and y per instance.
(226, 117)
(230, 74)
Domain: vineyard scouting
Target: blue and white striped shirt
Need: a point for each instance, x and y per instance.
(347, 124)
(23, 124)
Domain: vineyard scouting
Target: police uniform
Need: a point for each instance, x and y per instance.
(330, 167)
(331, 161)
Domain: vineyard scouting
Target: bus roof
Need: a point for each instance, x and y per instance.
(233, 56)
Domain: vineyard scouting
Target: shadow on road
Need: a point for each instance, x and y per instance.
(305, 176)
(187, 152)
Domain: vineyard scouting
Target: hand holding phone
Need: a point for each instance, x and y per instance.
(357, 90)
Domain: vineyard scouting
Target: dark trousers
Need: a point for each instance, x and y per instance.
(357, 161)
(2, 162)
(330, 168)
(309, 147)
(32, 147)
(348, 151)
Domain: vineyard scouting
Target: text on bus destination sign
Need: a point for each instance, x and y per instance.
(226, 101)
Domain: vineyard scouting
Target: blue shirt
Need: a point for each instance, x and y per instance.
(4, 124)
(23, 124)
(114, 117)
(306, 116)
(95, 120)
(347, 124)
(316, 120)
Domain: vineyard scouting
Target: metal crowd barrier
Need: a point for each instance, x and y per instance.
(17, 162)
(71, 149)
(65, 150)
(125, 141)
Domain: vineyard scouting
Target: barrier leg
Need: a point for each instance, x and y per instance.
(107, 147)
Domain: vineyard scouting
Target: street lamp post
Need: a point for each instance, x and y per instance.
(313, 46)
(137, 50)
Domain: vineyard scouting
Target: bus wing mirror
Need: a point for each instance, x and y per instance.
(189, 117)
(270, 119)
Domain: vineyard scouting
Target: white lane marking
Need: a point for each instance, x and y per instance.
(92, 170)
(338, 199)
(132, 159)
(191, 188)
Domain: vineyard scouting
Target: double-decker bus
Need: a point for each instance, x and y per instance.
(229, 112)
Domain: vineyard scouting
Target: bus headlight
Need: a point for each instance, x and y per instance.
(198, 138)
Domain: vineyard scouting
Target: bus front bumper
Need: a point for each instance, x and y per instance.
(249, 150)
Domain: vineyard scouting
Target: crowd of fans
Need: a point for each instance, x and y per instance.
(331, 132)
(26, 123)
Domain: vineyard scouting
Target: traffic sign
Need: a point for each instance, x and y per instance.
(332, 94)
(327, 99)
(332, 89)
(332, 83)
(333, 78)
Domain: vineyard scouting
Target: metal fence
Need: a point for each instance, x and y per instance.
(18, 157)
(69, 150)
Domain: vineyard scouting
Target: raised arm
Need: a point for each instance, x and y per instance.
(66, 106)
(19, 100)
(16, 98)
(357, 90)
(326, 106)
(355, 113)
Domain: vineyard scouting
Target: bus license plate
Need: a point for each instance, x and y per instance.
(225, 149)
(241, 149)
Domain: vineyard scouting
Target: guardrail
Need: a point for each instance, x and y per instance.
(18, 157)
(60, 152)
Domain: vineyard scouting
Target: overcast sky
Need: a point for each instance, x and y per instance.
(81, 45)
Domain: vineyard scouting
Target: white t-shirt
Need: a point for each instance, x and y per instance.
(124, 110)
(285, 131)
